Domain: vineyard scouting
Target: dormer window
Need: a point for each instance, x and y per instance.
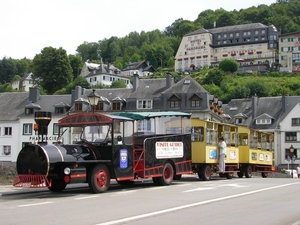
(28, 111)
(59, 110)
(31, 108)
(263, 121)
(78, 107)
(116, 106)
(174, 101)
(195, 101)
(99, 106)
(144, 104)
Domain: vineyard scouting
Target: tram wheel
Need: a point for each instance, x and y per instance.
(205, 172)
(264, 175)
(248, 171)
(99, 179)
(167, 176)
(229, 175)
(240, 174)
(57, 185)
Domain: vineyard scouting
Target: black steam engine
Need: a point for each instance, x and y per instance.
(104, 150)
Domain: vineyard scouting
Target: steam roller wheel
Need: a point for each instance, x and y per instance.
(99, 179)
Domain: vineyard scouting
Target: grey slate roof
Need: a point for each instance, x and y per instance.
(12, 105)
(275, 108)
(149, 88)
(234, 28)
(186, 85)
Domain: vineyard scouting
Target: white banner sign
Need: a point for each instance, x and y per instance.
(169, 150)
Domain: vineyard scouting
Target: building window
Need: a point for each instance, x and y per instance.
(6, 149)
(238, 120)
(291, 136)
(99, 106)
(55, 129)
(144, 104)
(59, 110)
(263, 121)
(27, 128)
(78, 107)
(195, 103)
(174, 104)
(8, 131)
(29, 111)
(295, 121)
(116, 106)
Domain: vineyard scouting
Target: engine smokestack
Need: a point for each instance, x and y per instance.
(42, 119)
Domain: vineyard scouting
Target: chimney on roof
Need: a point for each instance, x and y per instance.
(168, 80)
(254, 106)
(135, 81)
(284, 102)
(215, 24)
(78, 92)
(34, 94)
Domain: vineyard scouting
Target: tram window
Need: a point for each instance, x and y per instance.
(243, 139)
(197, 133)
(211, 137)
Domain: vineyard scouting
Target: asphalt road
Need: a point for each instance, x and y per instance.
(268, 201)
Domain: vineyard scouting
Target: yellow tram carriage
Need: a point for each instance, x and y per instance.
(205, 149)
(256, 152)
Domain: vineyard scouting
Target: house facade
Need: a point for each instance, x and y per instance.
(24, 83)
(252, 45)
(277, 115)
(105, 74)
(289, 52)
(142, 68)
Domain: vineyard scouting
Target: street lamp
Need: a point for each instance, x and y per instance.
(93, 99)
(292, 158)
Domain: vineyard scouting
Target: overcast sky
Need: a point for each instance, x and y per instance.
(27, 26)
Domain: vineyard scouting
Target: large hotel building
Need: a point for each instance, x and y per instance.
(252, 45)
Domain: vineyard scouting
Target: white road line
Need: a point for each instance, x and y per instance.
(124, 192)
(192, 205)
(156, 188)
(87, 197)
(35, 204)
(199, 189)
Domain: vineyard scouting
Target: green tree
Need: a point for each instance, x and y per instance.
(118, 84)
(52, 69)
(214, 76)
(76, 64)
(229, 65)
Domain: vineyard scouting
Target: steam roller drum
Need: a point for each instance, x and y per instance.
(36, 159)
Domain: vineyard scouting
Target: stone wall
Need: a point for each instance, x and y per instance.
(7, 173)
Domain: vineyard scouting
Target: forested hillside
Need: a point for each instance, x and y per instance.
(159, 47)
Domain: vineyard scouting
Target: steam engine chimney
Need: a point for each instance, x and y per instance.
(42, 119)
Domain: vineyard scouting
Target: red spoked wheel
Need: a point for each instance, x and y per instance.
(167, 176)
(99, 179)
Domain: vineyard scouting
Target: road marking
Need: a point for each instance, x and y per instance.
(123, 192)
(157, 188)
(192, 205)
(86, 197)
(35, 204)
(232, 185)
(199, 189)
